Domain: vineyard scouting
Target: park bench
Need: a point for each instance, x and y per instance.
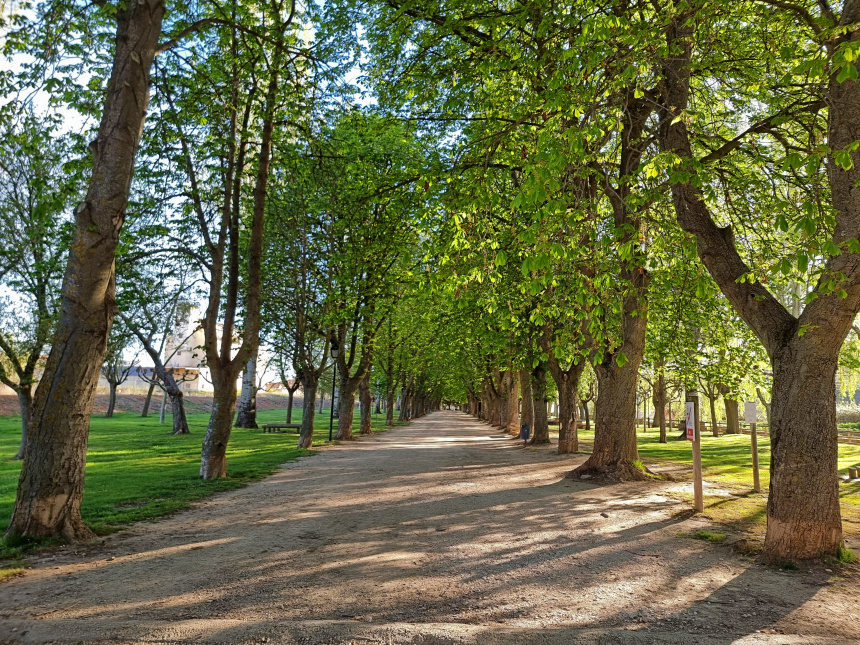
(280, 427)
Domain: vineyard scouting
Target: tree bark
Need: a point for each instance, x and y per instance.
(660, 404)
(540, 429)
(306, 435)
(803, 514)
(25, 401)
(213, 464)
(615, 447)
(148, 401)
(513, 402)
(162, 414)
(246, 416)
(389, 406)
(177, 410)
(346, 409)
(51, 485)
(111, 400)
(527, 411)
(733, 424)
(366, 405)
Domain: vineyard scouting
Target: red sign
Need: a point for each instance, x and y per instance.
(691, 421)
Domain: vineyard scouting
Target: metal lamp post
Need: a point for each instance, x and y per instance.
(334, 351)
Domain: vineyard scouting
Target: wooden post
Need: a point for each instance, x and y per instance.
(754, 442)
(694, 433)
(698, 495)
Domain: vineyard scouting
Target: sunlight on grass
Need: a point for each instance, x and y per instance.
(137, 470)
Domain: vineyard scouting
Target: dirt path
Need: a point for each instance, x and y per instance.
(442, 532)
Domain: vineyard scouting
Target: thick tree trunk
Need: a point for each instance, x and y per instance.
(148, 401)
(177, 409)
(733, 422)
(51, 485)
(111, 400)
(246, 416)
(366, 405)
(25, 401)
(346, 410)
(306, 434)
(540, 429)
(804, 519)
(527, 409)
(615, 447)
(213, 464)
(803, 514)
(568, 415)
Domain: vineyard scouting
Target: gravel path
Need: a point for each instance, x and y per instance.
(440, 532)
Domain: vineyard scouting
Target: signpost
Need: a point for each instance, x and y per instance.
(751, 416)
(694, 435)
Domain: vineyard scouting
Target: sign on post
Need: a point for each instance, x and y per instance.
(691, 421)
(750, 412)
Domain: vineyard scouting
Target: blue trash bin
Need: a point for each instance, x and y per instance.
(525, 431)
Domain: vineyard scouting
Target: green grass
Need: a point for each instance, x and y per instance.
(137, 470)
(709, 537)
(727, 462)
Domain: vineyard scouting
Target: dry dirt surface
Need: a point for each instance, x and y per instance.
(441, 532)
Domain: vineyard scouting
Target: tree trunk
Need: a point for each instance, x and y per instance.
(803, 514)
(163, 412)
(290, 394)
(804, 519)
(540, 429)
(568, 415)
(52, 477)
(765, 404)
(389, 406)
(25, 401)
(111, 400)
(615, 447)
(527, 412)
(366, 405)
(660, 405)
(346, 410)
(213, 464)
(177, 409)
(733, 423)
(513, 402)
(306, 435)
(322, 403)
(712, 404)
(586, 416)
(247, 409)
(148, 400)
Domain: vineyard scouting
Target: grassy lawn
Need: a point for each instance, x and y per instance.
(137, 470)
(727, 463)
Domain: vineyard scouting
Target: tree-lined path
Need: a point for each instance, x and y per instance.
(443, 531)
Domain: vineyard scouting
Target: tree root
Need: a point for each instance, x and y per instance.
(619, 471)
